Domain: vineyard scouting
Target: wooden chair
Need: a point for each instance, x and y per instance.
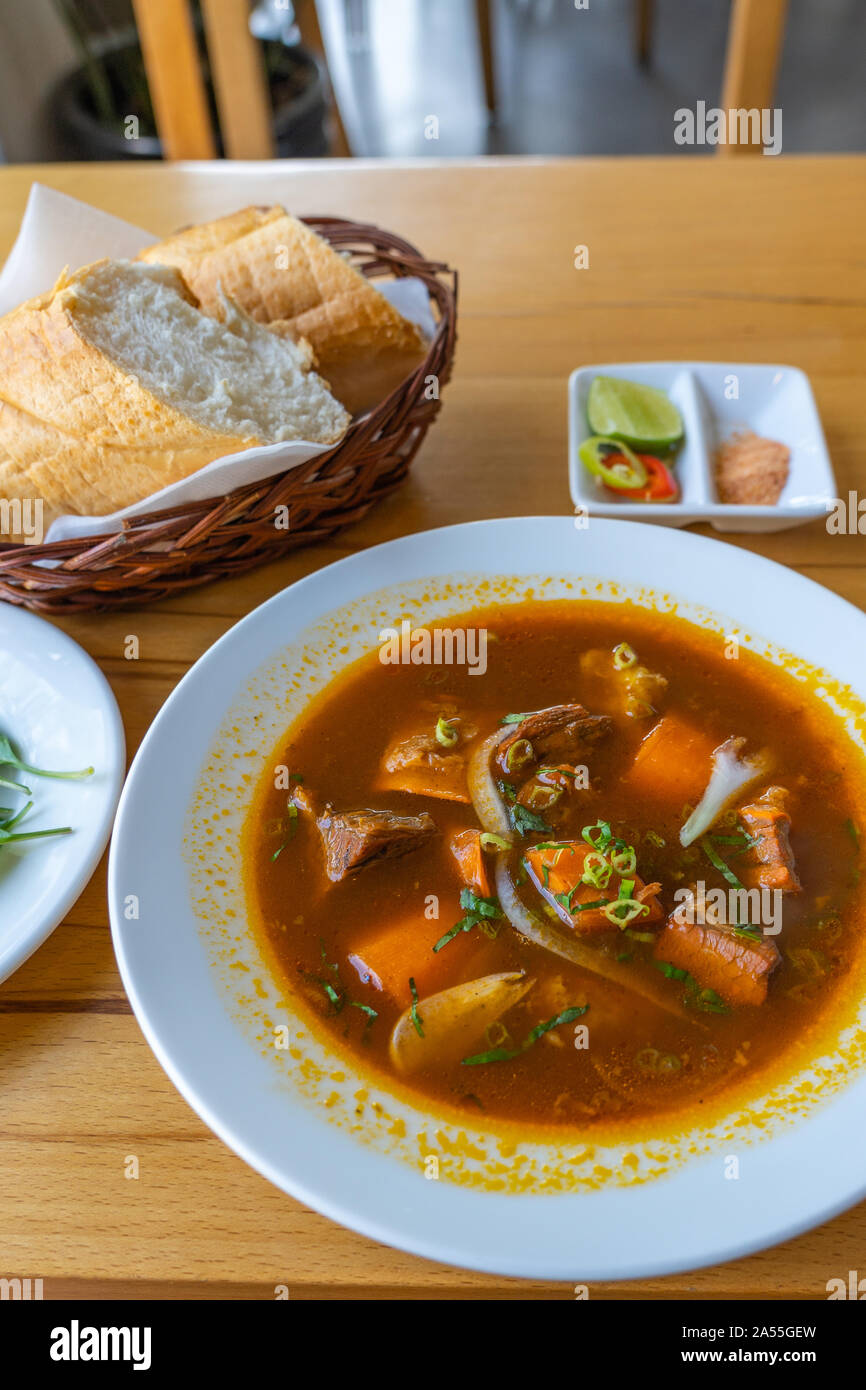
(755, 36)
(177, 86)
(485, 36)
(307, 20)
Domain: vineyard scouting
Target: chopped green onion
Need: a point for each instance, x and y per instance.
(518, 754)
(596, 870)
(624, 656)
(446, 734)
(493, 842)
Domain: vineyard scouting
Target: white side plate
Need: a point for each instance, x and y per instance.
(59, 712)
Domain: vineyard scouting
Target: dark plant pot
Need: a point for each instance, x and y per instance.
(298, 92)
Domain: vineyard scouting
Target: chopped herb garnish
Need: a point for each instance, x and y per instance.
(505, 1054)
(485, 907)
(416, 1018)
(290, 825)
(522, 819)
(705, 999)
(671, 972)
(513, 719)
(335, 992)
(371, 1013)
(719, 863)
(853, 832)
(479, 912)
(465, 924)
(599, 836)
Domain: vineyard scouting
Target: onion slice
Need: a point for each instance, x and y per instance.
(452, 1022)
(730, 775)
(544, 934)
(488, 804)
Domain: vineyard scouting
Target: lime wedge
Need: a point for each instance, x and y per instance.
(644, 417)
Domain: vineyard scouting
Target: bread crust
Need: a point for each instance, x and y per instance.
(280, 272)
(76, 430)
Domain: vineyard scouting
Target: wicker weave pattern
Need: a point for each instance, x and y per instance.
(161, 553)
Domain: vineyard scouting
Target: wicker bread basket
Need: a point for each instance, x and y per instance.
(163, 552)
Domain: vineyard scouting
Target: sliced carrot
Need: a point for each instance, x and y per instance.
(673, 763)
(467, 850)
(557, 870)
(403, 950)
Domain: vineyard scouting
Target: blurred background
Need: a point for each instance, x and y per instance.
(416, 78)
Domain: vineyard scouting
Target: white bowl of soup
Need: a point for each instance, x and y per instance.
(512, 876)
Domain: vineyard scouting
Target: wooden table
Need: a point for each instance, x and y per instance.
(751, 260)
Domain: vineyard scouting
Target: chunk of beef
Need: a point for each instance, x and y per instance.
(737, 967)
(562, 732)
(421, 765)
(770, 862)
(353, 839)
(633, 690)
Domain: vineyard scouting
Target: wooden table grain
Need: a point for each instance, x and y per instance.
(749, 260)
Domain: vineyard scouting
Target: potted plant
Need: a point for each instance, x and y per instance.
(102, 108)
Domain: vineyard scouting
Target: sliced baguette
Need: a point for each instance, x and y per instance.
(283, 274)
(114, 385)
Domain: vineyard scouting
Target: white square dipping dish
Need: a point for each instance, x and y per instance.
(715, 399)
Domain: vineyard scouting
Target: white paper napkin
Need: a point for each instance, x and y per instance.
(59, 232)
